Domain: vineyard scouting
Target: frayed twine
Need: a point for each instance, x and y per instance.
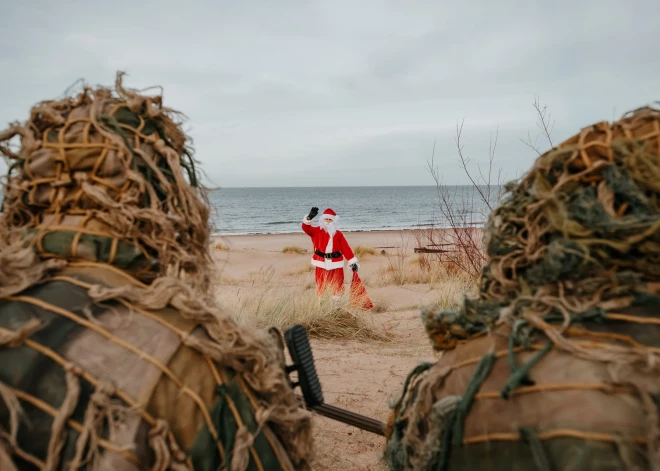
(15, 411)
(101, 410)
(167, 454)
(67, 407)
(13, 338)
(6, 463)
(241, 452)
(20, 267)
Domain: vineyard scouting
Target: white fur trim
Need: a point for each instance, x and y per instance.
(328, 216)
(328, 248)
(307, 221)
(352, 261)
(327, 264)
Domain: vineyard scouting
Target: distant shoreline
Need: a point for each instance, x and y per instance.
(355, 231)
(359, 231)
(402, 239)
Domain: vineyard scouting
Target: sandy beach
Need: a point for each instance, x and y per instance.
(268, 280)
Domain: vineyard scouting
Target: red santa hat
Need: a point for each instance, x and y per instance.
(329, 214)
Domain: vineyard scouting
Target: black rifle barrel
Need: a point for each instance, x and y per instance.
(351, 418)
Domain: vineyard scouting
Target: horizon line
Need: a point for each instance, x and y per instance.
(220, 187)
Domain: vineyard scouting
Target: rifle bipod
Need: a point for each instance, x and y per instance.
(300, 350)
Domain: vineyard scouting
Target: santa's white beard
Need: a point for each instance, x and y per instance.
(330, 228)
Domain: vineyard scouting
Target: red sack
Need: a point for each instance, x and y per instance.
(358, 294)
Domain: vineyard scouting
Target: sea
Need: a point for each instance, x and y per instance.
(239, 211)
(373, 208)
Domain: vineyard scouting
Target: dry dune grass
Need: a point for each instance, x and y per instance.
(300, 270)
(294, 249)
(221, 246)
(223, 279)
(379, 306)
(262, 276)
(402, 269)
(271, 307)
(361, 251)
(449, 283)
(451, 291)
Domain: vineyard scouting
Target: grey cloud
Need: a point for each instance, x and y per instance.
(278, 92)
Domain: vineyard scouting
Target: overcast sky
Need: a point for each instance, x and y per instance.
(333, 92)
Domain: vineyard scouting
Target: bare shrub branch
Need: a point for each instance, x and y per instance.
(464, 162)
(458, 240)
(531, 145)
(544, 122)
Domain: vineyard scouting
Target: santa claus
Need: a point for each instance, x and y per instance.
(330, 250)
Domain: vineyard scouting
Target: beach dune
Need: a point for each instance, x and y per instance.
(268, 280)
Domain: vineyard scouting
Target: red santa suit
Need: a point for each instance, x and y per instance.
(330, 250)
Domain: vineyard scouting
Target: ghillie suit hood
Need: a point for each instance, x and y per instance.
(108, 177)
(560, 350)
(104, 215)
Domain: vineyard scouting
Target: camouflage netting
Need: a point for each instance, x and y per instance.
(106, 179)
(566, 316)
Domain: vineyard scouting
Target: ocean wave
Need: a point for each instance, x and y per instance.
(279, 223)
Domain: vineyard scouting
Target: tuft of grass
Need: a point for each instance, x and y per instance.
(322, 319)
(221, 246)
(294, 249)
(403, 269)
(361, 250)
(451, 292)
(226, 280)
(379, 306)
(301, 270)
(411, 273)
(262, 276)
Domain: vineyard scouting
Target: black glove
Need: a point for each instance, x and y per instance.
(312, 214)
(354, 267)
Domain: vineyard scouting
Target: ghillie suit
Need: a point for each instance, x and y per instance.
(113, 352)
(556, 364)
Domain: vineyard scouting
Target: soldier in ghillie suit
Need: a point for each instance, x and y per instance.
(113, 352)
(556, 363)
